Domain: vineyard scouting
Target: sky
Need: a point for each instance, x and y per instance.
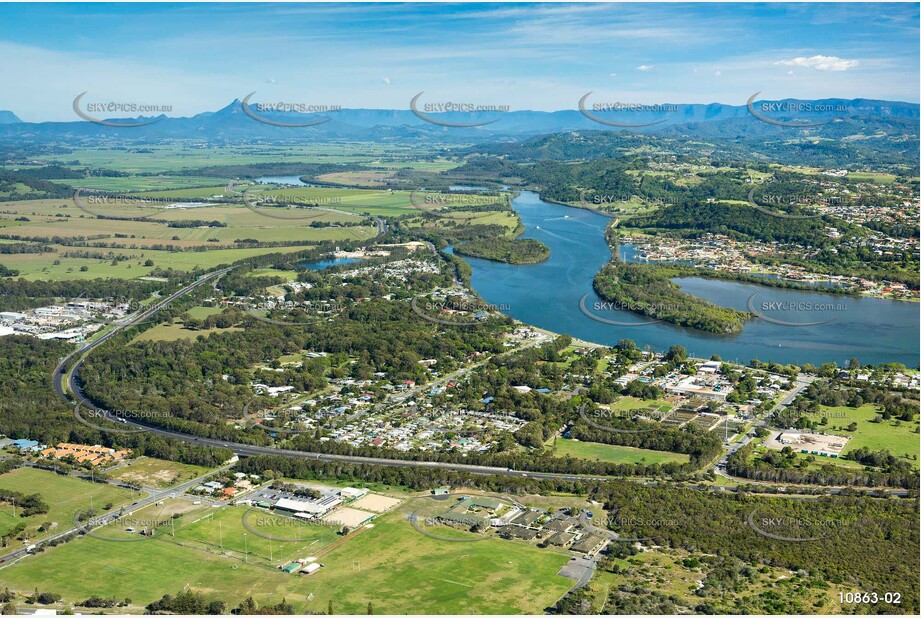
(539, 56)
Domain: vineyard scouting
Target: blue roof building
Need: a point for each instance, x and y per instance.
(24, 444)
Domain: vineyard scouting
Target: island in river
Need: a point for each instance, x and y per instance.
(507, 250)
(648, 290)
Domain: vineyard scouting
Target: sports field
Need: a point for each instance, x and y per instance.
(379, 565)
(65, 496)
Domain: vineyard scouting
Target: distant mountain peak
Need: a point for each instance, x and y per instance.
(7, 117)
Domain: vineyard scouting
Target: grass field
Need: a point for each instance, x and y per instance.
(35, 266)
(145, 183)
(492, 576)
(150, 472)
(899, 438)
(176, 331)
(287, 275)
(613, 454)
(627, 403)
(65, 496)
(171, 158)
(200, 313)
(123, 246)
(389, 565)
(223, 529)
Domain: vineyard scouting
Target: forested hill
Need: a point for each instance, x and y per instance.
(884, 143)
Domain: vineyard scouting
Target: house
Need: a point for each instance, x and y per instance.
(440, 491)
(514, 532)
(559, 525)
(560, 539)
(527, 518)
(589, 544)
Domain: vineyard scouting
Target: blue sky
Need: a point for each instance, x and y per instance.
(198, 57)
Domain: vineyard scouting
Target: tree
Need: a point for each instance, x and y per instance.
(677, 354)
(329, 608)
(370, 609)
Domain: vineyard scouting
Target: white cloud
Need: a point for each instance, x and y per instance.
(386, 80)
(717, 73)
(644, 67)
(612, 74)
(820, 63)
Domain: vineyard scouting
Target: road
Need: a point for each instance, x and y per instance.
(801, 384)
(153, 496)
(244, 450)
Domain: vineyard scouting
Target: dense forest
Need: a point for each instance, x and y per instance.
(17, 185)
(30, 409)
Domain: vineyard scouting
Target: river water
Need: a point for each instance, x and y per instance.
(548, 294)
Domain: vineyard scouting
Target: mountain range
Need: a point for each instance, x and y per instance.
(232, 123)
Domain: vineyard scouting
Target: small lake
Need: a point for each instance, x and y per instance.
(548, 294)
(323, 264)
(294, 181)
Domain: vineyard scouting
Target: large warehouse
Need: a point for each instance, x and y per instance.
(309, 507)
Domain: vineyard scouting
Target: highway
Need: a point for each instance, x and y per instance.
(61, 389)
(244, 450)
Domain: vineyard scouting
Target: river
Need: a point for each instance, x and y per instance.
(548, 294)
